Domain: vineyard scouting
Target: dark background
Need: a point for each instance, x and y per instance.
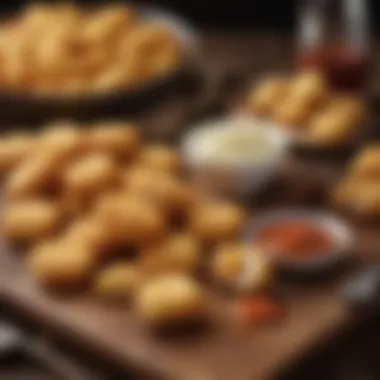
(274, 14)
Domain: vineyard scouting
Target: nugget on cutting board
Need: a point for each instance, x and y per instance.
(61, 264)
(65, 136)
(36, 176)
(90, 175)
(179, 252)
(119, 139)
(174, 196)
(92, 232)
(161, 157)
(118, 282)
(170, 300)
(240, 267)
(216, 222)
(135, 221)
(30, 220)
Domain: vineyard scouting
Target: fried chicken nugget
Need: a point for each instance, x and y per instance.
(267, 94)
(14, 149)
(161, 157)
(64, 136)
(105, 25)
(91, 232)
(241, 268)
(60, 264)
(310, 88)
(332, 128)
(170, 300)
(293, 114)
(180, 252)
(367, 163)
(30, 220)
(172, 195)
(90, 175)
(217, 222)
(35, 176)
(119, 139)
(118, 282)
(135, 221)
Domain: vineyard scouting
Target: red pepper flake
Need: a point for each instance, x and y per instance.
(259, 310)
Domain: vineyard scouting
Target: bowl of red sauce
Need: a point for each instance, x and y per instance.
(301, 239)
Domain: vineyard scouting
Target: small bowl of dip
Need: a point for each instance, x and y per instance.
(302, 240)
(235, 155)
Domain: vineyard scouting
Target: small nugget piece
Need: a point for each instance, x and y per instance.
(332, 128)
(173, 299)
(134, 220)
(57, 264)
(91, 232)
(64, 136)
(30, 220)
(367, 163)
(171, 194)
(181, 252)
(117, 282)
(13, 150)
(310, 88)
(241, 268)
(90, 175)
(119, 139)
(217, 222)
(267, 94)
(162, 158)
(293, 114)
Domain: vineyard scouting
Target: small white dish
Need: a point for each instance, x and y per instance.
(338, 229)
(234, 156)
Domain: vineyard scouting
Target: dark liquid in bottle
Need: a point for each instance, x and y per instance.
(346, 69)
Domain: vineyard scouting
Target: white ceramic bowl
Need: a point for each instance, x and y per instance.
(234, 175)
(339, 230)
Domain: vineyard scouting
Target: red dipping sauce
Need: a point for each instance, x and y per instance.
(298, 239)
(345, 68)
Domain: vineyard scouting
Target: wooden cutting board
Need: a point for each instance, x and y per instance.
(315, 312)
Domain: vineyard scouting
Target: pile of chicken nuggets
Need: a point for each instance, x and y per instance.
(97, 207)
(67, 50)
(306, 105)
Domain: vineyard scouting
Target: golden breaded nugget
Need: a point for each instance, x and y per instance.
(90, 175)
(36, 175)
(119, 139)
(134, 220)
(332, 128)
(30, 220)
(217, 222)
(14, 149)
(310, 88)
(367, 163)
(61, 264)
(118, 282)
(161, 157)
(169, 300)
(180, 252)
(265, 97)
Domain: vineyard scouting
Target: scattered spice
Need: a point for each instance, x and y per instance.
(258, 310)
